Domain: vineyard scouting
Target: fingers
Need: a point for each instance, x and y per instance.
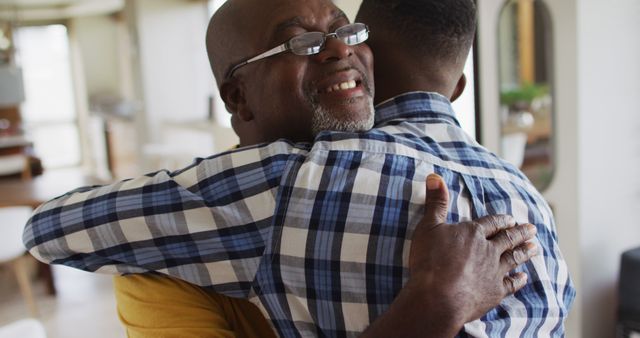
(515, 282)
(437, 202)
(492, 225)
(511, 238)
(511, 259)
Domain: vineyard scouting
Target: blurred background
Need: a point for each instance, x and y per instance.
(97, 90)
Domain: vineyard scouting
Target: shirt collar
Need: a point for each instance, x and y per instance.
(415, 105)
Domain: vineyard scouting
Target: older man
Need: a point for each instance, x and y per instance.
(317, 236)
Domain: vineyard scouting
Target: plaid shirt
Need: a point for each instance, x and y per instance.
(316, 235)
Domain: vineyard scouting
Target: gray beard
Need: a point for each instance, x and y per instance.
(323, 120)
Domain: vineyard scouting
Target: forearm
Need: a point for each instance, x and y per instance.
(91, 220)
(186, 223)
(414, 313)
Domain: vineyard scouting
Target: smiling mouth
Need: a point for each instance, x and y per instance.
(346, 85)
(341, 86)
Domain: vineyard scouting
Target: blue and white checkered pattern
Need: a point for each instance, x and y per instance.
(317, 235)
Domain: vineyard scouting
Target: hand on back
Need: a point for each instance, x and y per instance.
(465, 269)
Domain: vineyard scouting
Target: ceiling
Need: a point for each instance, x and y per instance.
(41, 3)
(27, 10)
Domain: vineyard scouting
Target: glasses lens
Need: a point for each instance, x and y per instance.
(353, 34)
(307, 43)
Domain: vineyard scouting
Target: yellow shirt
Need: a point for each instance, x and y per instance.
(156, 306)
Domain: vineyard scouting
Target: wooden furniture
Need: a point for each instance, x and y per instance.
(11, 114)
(15, 148)
(51, 184)
(14, 156)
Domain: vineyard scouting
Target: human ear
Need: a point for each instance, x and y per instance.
(232, 93)
(457, 92)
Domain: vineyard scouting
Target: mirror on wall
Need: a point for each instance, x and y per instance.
(526, 89)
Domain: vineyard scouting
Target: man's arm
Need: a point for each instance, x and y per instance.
(205, 224)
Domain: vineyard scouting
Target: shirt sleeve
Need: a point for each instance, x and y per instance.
(206, 224)
(541, 307)
(151, 305)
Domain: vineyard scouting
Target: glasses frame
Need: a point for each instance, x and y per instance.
(285, 47)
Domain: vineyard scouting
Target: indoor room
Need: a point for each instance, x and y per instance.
(121, 93)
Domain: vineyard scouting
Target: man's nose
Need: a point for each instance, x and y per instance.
(334, 50)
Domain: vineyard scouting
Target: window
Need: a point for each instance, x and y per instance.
(49, 111)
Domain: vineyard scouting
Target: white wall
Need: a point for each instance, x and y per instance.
(350, 7)
(609, 152)
(562, 194)
(176, 83)
(176, 77)
(96, 37)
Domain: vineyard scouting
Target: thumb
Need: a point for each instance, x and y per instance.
(437, 202)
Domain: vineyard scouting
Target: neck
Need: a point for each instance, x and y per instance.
(407, 76)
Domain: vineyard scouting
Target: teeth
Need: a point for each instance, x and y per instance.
(342, 86)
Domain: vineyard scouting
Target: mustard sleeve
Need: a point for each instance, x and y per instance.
(156, 306)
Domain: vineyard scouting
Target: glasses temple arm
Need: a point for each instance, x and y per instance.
(271, 52)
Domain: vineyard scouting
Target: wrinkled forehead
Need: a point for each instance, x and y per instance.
(275, 17)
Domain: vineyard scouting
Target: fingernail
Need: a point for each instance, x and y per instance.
(433, 182)
(532, 229)
(532, 249)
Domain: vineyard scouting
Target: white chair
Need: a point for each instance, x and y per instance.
(12, 221)
(26, 328)
(15, 164)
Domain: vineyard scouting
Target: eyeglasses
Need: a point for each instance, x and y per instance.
(312, 43)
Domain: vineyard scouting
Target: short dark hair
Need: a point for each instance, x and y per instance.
(438, 28)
